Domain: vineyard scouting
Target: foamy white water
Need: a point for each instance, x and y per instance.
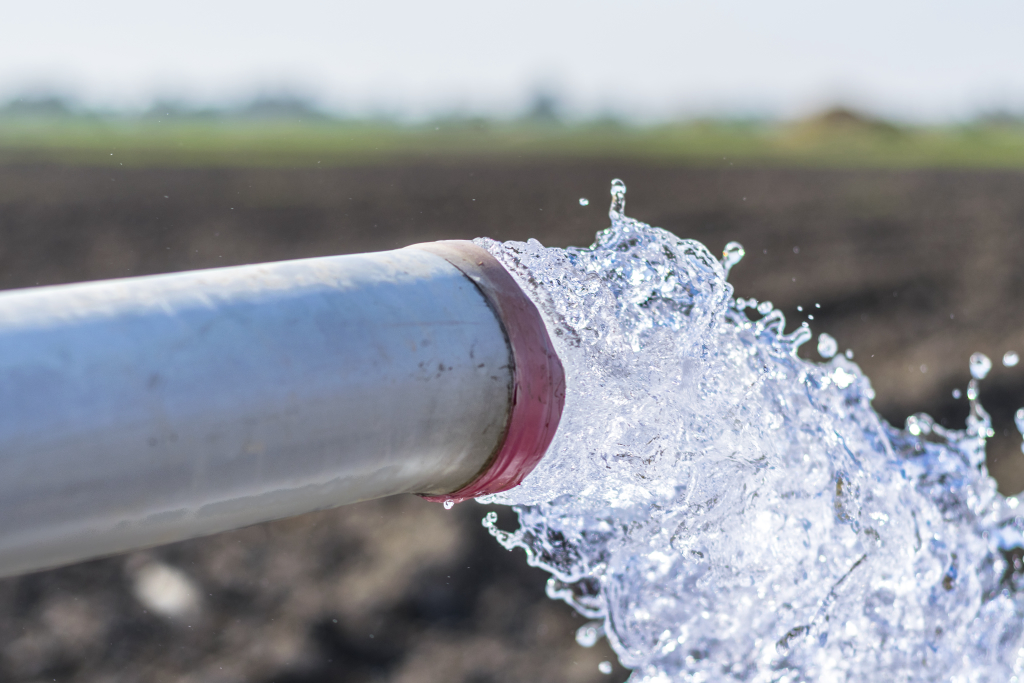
(725, 510)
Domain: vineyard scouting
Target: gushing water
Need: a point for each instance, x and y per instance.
(726, 511)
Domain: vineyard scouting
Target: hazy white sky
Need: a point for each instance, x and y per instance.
(933, 59)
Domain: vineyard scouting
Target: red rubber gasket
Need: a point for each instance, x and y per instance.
(538, 385)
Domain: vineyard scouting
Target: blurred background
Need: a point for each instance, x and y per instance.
(870, 157)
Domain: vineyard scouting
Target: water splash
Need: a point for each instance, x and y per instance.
(731, 512)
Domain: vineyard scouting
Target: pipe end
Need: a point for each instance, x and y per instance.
(538, 388)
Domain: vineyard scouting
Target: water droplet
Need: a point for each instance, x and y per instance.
(449, 504)
(827, 346)
(1018, 419)
(957, 393)
(1010, 359)
(618, 192)
(731, 255)
(800, 309)
(588, 634)
(605, 667)
(980, 365)
(765, 307)
(584, 201)
(849, 354)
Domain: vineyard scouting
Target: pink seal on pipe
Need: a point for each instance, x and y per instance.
(538, 386)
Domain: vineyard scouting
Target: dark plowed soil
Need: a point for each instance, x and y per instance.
(913, 271)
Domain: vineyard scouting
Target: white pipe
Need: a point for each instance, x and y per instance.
(147, 410)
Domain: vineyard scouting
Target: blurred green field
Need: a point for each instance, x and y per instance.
(834, 139)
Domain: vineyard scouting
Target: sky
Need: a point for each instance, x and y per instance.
(648, 60)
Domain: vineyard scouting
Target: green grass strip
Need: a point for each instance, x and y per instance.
(225, 142)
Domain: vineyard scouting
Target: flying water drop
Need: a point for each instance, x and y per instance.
(605, 667)
(588, 634)
(1010, 359)
(980, 365)
(584, 201)
(827, 345)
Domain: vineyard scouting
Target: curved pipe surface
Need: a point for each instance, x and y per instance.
(147, 410)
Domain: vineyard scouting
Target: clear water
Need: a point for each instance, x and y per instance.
(726, 511)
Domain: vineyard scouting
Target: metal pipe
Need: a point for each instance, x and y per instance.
(141, 411)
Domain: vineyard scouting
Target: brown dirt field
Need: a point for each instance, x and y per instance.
(913, 270)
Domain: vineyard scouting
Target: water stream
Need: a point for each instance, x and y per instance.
(724, 510)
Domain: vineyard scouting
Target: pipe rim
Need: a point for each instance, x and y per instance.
(538, 385)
